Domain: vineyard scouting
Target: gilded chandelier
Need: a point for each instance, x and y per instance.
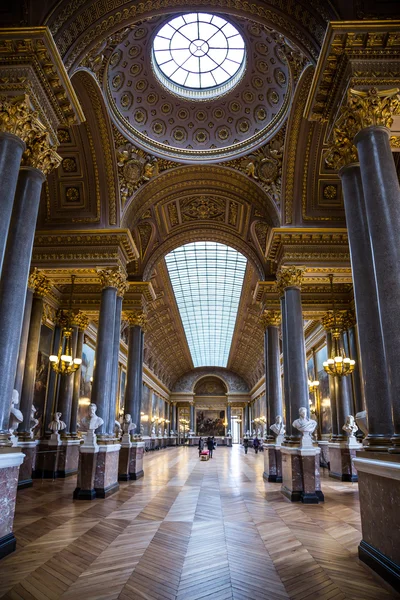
(64, 363)
(339, 365)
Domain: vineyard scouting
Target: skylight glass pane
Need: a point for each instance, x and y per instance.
(207, 280)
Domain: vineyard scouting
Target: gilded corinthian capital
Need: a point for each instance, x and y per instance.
(374, 107)
(342, 150)
(289, 277)
(39, 283)
(113, 278)
(270, 318)
(80, 320)
(17, 116)
(39, 153)
(135, 317)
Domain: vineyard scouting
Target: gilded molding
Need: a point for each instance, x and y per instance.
(39, 283)
(270, 318)
(115, 278)
(289, 276)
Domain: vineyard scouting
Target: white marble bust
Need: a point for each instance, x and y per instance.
(306, 425)
(91, 422)
(117, 428)
(127, 424)
(278, 427)
(16, 416)
(56, 424)
(159, 432)
(33, 422)
(351, 428)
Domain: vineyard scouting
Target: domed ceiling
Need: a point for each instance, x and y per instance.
(171, 126)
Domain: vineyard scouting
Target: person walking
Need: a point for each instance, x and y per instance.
(245, 444)
(210, 446)
(256, 444)
(201, 445)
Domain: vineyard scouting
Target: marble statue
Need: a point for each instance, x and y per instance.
(306, 426)
(92, 421)
(165, 432)
(279, 429)
(33, 422)
(259, 433)
(254, 433)
(153, 431)
(16, 417)
(229, 433)
(127, 424)
(247, 433)
(159, 432)
(141, 430)
(361, 420)
(351, 428)
(117, 428)
(56, 424)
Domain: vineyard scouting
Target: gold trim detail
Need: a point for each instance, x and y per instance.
(80, 320)
(135, 318)
(289, 276)
(39, 283)
(115, 278)
(270, 318)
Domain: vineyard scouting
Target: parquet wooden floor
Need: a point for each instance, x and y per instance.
(189, 530)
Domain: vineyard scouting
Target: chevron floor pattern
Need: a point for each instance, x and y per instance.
(189, 530)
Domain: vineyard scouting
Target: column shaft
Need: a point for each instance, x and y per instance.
(296, 358)
(114, 382)
(229, 416)
(285, 363)
(273, 386)
(247, 424)
(76, 385)
(66, 390)
(332, 392)
(372, 352)
(356, 376)
(13, 283)
(28, 384)
(11, 149)
(344, 404)
(53, 381)
(19, 376)
(134, 375)
(192, 423)
(102, 375)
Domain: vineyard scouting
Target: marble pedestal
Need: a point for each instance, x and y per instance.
(27, 468)
(379, 489)
(173, 441)
(341, 457)
(106, 473)
(272, 463)
(130, 466)
(86, 471)
(47, 459)
(11, 460)
(300, 475)
(228, 441)
(324, 456)
(68, 457)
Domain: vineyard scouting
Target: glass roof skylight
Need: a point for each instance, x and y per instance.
(207, 280)
(198, 55)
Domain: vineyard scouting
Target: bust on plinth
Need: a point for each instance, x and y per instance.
(306, 426)
(128, 426)
(55, 426)
(279, 429)
(89, 424)
(351, 428)
(16, 417)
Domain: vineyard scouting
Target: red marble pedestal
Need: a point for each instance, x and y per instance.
(27, 468)
(131, 461)
(106, 474)
(301, 475)
(69, 458)
(379, 489)
(272, 463)
(10, 462)
(86, 472)
(341, 461)
(47, 460)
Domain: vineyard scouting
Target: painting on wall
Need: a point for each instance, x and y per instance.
(323, 390)
(42, 373)
(85, 388)
(210, 422)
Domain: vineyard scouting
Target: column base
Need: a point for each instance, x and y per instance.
(28, 466)
(10, 463)
(106, 472)
(272, 463)
(300, 475)
(341, 465)
(379, 489)
(130, 465)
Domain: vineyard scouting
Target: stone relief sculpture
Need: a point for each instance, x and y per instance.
(306, 426)
(16, 417)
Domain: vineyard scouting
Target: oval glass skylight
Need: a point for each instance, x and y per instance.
(199, 55)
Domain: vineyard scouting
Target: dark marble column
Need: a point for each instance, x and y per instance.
(326, 321)
(290, 282)
(102, 376)
(13, 283)
(247, 424)
(285, 362)
(382, 202)
(228, 416)
(114, 383)
(192, 418)
(42, 286)
(273, 390)
(359, 403)
(53, 380)
(134, 370)
(11, 149)
(66, 390)
(81, 321)
(372, 351)
(344, 404)
(173, 417)
(19, 376)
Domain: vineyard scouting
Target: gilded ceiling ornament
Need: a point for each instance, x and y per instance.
(203, 207)
(113, 278)
(39, 153)
(135, 318)
(135, 168)
(265, 166)
(39, 283)
(349, 319)
(395, 141)
(290, 276)
(270, 318)
(49, 314)
(374, 106)
(17, 115)
(342, 150)
(80, 320)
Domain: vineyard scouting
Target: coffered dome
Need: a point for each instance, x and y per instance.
(176, 113)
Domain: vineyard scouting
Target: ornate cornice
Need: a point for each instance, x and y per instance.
(39, 283)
